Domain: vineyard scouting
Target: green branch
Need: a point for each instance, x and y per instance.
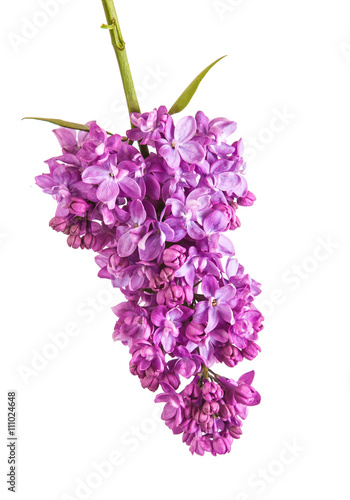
(123, 63)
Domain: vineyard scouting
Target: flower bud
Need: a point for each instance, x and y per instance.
(210, 408)
(174, 295)
(226, 412)
(74, 241)
(235, 431)
(246, 395)
(88, 241)
(247, 200)
(230, 355)
(78, 206)
(195, 332)
(220, 446)
(251, 351)
(150, 380)
(167, 274)
(74, 229)
(212, 391)
(174, 256)
(192, 391)
(59, 224)
(188, 291)
(156, 283)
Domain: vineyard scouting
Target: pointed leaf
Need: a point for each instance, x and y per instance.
(188, 93)
(62, 123)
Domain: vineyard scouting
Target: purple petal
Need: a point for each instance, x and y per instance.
(191, 152)
(168, 412)
(241, 187)
(125, 246)
(177, 207)
(225, 293)
(185, 129)
(209, 286)
(107, 215)
(177, 227)
(231, 267)
(174, 314)
(170, 155)
(151, 245)
(136, 281)
(227, 127)
(152, 187)
(169, 129)
(162, 398)
(158, 315)
(128, 165)
(225, 246)
(134, 134)
(45, 181)
(137, 233)
(233, 183)
(130, 187)
(121, 214)
(188, 271)
(225, 311)
(201, 312)
(150, 210)
(247, 378)
(166, 230)
(213, 319)
(66, 138)
(145, 363)
(107, 190)
(113, 142)
(168, 343)
(94, 175)
(137, 212)
(195, 231)
(220, 335)
(216, 222)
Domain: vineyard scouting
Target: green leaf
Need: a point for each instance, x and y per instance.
(188, 93)
(62, 123)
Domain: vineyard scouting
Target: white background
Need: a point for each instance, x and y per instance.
(289, 58)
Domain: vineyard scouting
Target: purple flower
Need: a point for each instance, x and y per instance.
(134, 231)
(146, 356)
(178, 143)
(157, 224)
(67, 139)
(152, 244)
(97, 147)
(215, 132)
(173, 410)
(225, 175)
(218, 305)
(132, 324)
(148, 126)
(110, 180)
(168, 321)
(198, 264)
(240, 392)
(59, 183)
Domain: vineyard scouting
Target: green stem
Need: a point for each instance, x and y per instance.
(123, 63)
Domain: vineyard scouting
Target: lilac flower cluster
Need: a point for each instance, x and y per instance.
(157, 222)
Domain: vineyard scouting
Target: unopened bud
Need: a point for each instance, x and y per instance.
(59, 224)
(74, 241)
